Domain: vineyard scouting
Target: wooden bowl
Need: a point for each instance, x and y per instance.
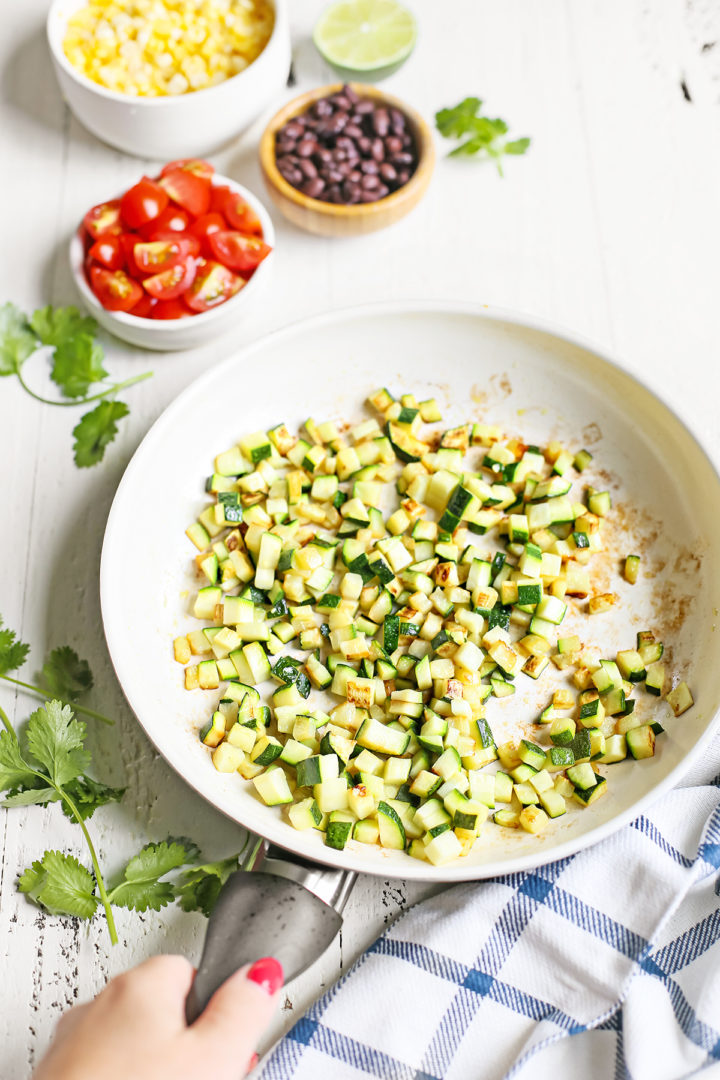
(333, 219)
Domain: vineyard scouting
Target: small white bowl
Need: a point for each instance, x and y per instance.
(188, 125)
(174, 334)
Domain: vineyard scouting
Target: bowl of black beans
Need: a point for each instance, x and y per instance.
(345, 160)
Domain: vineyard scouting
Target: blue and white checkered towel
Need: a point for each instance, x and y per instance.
(605, 965)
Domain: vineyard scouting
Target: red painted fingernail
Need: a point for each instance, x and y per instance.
(267, 973)
(253, 1062)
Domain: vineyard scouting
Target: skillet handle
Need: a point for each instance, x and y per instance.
(288, 909)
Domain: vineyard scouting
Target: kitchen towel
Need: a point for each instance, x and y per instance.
(605, 964)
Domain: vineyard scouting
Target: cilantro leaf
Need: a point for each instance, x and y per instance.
(200, 887)
(56, 325)
(77, 364)
(31, 796)
(483, 135)
(142, 888)
(453, 122)
(95, 431)
(56, 739)
(12, 652)
(61, 885)
(65, 675)
(518, 146)
(15, 772)
(88, 795)
(17, 340)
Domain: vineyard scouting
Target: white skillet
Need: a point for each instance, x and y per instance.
(480, 363)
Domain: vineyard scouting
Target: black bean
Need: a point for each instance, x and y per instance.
(339, 155)
(314, 188)
(355, 176)
(306, 148)
(369, 167)
(402, 159)
(322, 108)
(322, 156)
(350, 94)
(368, 196)
(335, 123)
(382, 191)
(335, 176)
(291, 174)
(364, 107)
(387, 172)
(393, 144)
(351, 192)
(397, 121)
(364, 145)
(402, 177)
(378, 150)
(407, 141)
(292, 130)
(345, 168)
(369, 183)
(308, 169)
(341, 102)
(381, 122)
(333, 194)
(353, 130)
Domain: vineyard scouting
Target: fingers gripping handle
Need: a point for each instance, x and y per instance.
(262, 913)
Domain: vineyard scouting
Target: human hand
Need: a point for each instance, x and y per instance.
(136, 1026)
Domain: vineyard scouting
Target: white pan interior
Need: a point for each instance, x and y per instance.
(480, 364)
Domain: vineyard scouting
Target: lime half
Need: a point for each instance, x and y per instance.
(365, 39)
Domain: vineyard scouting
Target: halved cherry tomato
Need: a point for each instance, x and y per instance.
(143, 202)
(188, 190)
(213, 285)
(241, 216)
(152, 256)
(108, 251)
(218, 196)
(103, 220)
(208, 223)
(191, 242)
(173, 282)
(197, 166)
(145, 307)
(174, 219)
(236, 251)
(170, 309)
(114, 289)
(128, 242)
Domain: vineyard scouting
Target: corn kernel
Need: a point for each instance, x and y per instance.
(152, 48)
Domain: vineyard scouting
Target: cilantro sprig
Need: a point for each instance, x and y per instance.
(54, 757)
(64, 675)
(483, 136)
(50, 763)
(77, 366)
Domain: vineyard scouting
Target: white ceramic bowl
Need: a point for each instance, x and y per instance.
(173, 334)
(171, 127)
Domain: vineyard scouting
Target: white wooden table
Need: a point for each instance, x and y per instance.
(610, 225)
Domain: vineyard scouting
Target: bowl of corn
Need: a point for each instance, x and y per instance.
(169, 78)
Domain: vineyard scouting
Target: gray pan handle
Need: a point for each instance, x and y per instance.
(287, 908)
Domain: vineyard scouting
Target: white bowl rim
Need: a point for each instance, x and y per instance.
(76, 259)
(170, 101)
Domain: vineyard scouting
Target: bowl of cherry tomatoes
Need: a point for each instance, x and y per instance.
(169, 263)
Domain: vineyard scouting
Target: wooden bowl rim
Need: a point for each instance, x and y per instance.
(299, 104)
